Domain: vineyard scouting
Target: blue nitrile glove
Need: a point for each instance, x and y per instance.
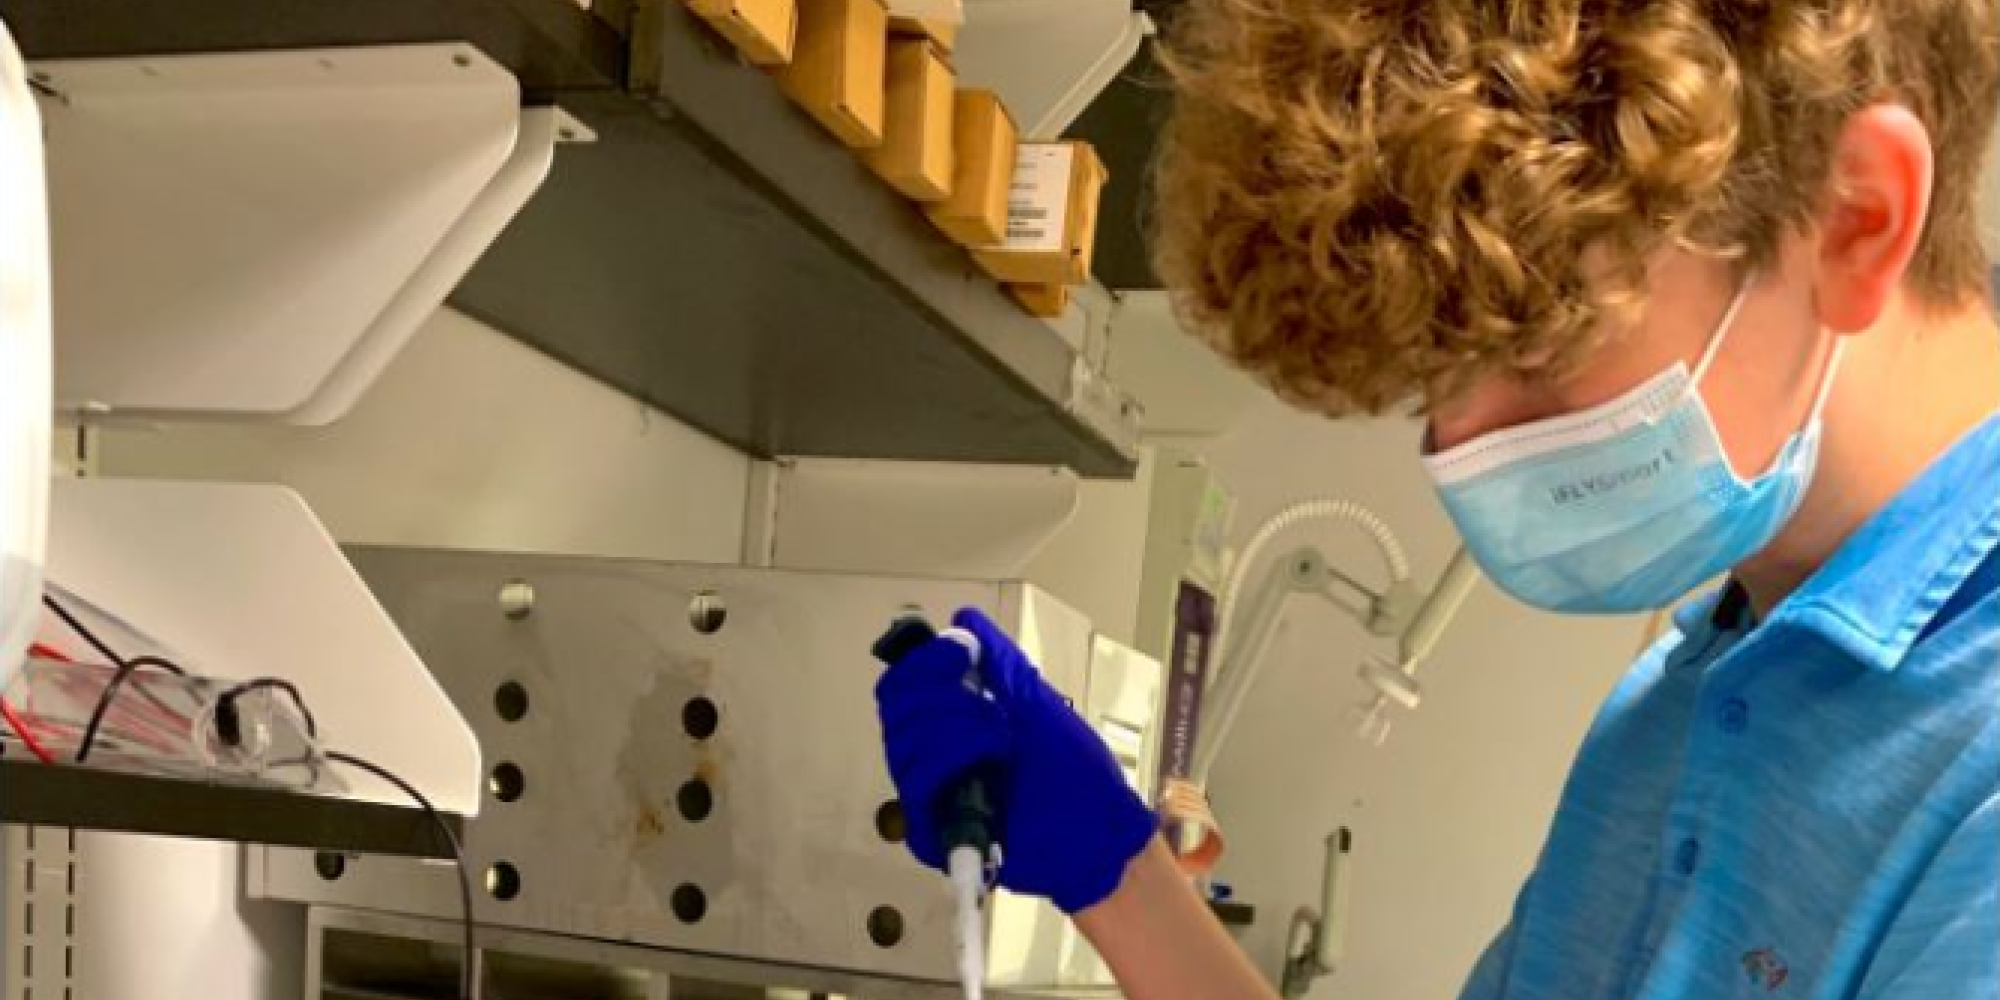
(1069, 824)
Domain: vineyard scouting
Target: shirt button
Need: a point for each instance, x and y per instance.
(1735, 715)
(1687, 856)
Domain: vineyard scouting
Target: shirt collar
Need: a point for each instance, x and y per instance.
(1885, 584)
(1713, 611)
(1702, 619)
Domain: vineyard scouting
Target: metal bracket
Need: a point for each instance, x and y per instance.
(40, 878)
(570, 130)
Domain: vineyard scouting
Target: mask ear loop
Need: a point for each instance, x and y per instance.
(1826, 382)
(1721, 331)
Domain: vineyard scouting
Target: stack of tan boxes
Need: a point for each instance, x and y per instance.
(1051, 224)
(984, 143)
(943, 34)
(838, 68)
(916, 152)
(885, 87)
(763, 30)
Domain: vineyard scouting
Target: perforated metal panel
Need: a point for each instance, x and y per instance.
(684, 757)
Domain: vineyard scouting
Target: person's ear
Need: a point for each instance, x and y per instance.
(1873, 213)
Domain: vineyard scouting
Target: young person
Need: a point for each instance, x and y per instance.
(1683, 288)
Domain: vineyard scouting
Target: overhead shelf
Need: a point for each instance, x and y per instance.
(712, 252)
(549, 45)
(88, 798)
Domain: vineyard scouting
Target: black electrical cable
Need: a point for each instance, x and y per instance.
(467, 988)
(226, 704)
(126, 668)
(88, 636)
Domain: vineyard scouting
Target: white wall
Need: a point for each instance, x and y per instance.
(1449, 815)
(469, 440)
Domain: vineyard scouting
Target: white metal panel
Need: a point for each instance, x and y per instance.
(788, 855)
(24, 359)
(414, 303)
(243, 582)
(1123, 699)
(1055, 636)
(228, 228)
(1048, 59)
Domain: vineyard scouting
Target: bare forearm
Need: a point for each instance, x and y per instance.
(1162, 943)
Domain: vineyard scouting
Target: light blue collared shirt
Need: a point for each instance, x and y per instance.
(1806, 808)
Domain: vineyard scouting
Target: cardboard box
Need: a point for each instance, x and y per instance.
(916, 152)
(763, 30)
(1045, 301)
(1051, 216)
(984, 142)
(941, 33)
(837, 67)
(932, 10)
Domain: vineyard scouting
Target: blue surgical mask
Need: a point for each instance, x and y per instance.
(1627, 506)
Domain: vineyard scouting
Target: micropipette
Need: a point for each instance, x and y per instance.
(966, 818)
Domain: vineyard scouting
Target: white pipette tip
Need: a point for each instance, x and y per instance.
(966, 641)
(968, 881)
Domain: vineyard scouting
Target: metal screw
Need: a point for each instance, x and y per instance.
(517, 599)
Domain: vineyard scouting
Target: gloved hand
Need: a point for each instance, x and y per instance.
(1069, 824)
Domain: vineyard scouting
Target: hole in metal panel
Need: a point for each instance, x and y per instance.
(885, 926)
(700, 718)
(689, 903)
(890, 823)
(329, 865)
(507, 782)
(503, 881)
(695, 800)
(510, 701)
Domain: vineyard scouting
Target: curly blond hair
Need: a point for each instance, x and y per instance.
(1369, 203)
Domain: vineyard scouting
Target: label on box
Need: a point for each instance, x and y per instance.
(1039, 197)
